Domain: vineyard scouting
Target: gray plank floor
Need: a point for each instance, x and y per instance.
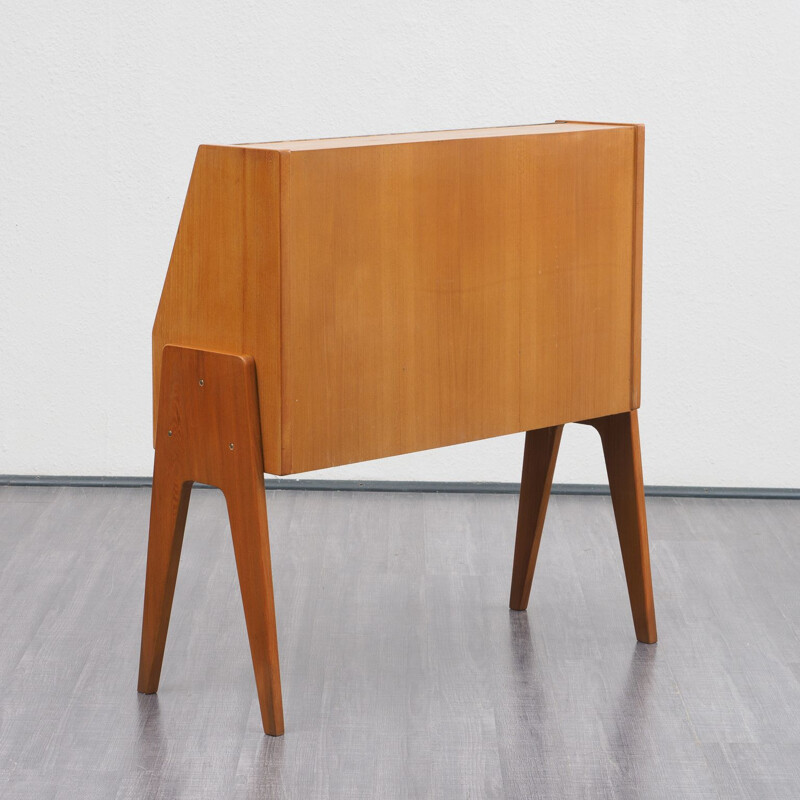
(404, 673)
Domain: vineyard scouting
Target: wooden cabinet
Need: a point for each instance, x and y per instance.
(380, 295)
(412, 291)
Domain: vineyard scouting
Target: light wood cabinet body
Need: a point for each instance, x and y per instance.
(339, 300)
(405, 292)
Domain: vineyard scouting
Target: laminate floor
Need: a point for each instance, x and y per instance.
(405, 675)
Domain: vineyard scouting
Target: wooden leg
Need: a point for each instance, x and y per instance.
(209, 431)
(538, 465)
(248, 514)
(620, 436)
(168, 507)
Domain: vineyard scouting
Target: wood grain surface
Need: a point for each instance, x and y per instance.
(208, 431)
(222, 290)
(622, 452)
(619, 434)
(538, 466)
(406, 292)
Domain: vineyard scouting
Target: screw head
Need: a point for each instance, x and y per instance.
(169, 433)
(201, 382)
(230, 446)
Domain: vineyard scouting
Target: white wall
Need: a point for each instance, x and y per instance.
(102, 106)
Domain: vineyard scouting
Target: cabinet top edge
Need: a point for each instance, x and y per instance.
(373, 140)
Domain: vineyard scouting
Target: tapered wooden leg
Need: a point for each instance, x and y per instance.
(620, 436)
(538, 465)
(168, 507)
(248, 514)
(209, 431)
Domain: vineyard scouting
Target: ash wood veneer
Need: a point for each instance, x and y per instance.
(366, 297)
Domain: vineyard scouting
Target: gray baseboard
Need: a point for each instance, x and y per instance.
(470, 487)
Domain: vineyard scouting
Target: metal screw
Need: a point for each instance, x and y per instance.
(169, 433)
(201, 382)
(230, 446)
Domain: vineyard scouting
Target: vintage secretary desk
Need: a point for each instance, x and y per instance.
(337, 300)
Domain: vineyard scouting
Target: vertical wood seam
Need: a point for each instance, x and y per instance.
(279, 353)
(283, 279)
(246, 254)
(636, 264)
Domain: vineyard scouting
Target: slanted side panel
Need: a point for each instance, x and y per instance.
(222, 290)
(445, 291)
